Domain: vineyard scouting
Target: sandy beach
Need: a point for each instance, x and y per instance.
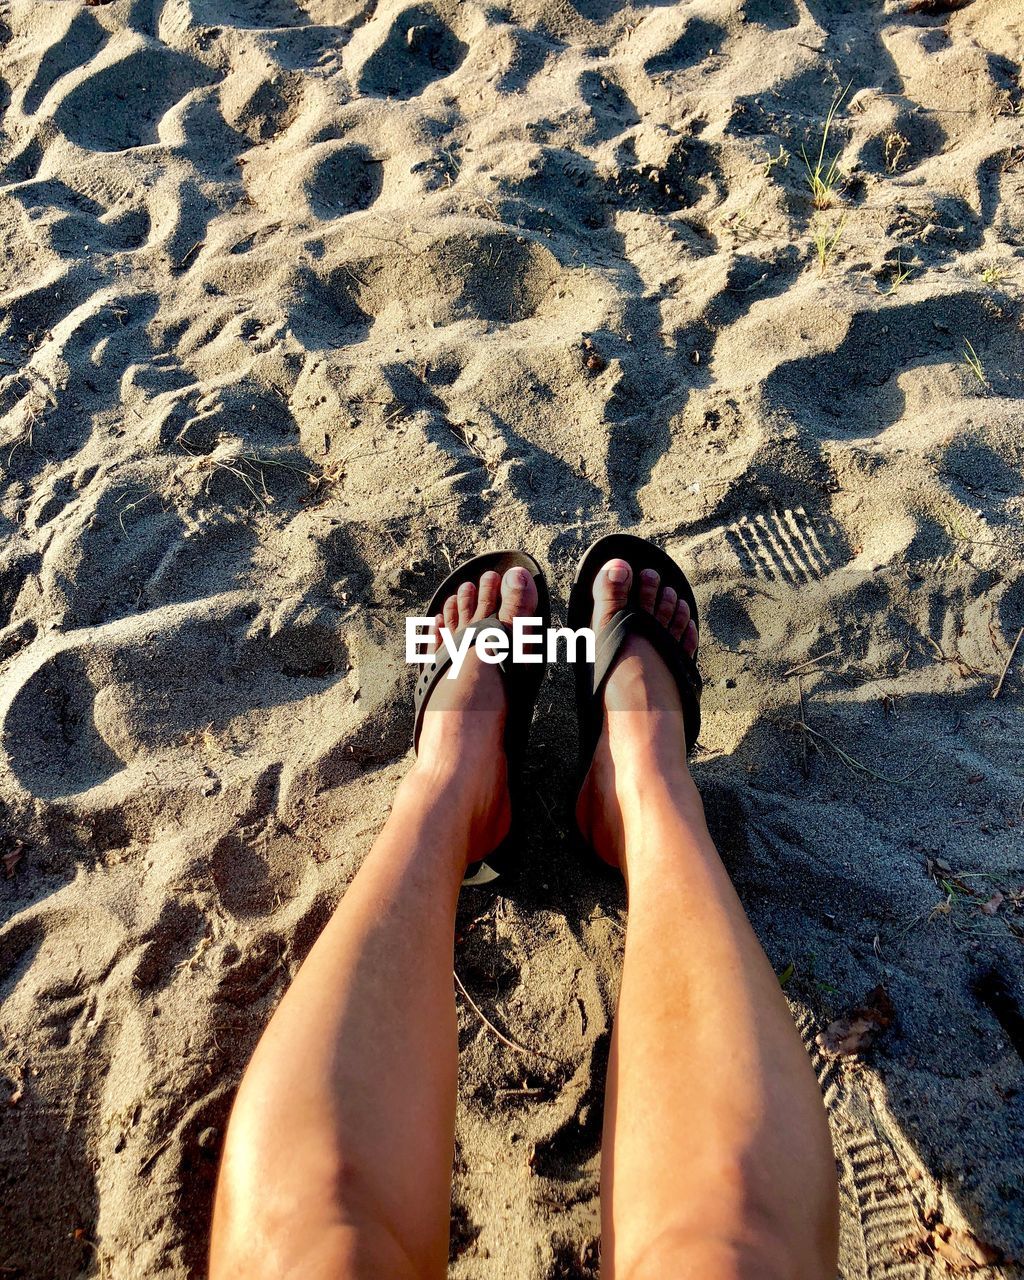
(303, 302)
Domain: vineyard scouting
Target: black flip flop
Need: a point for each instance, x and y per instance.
(639, 554)
(522, 681)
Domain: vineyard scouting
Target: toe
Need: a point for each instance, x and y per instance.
(487, 595)
(467, 603)
(611, 590)
(690, 639)
(451, 614)
(679, 621)
(434, 637)
(518, 595)
(649, 581)
(666, 606)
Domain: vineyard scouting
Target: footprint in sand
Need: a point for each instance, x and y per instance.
(419, 48)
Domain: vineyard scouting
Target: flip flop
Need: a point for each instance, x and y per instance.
(522, 683)
(639, 554)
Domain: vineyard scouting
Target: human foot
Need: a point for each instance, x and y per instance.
(460, 748)
(643, 734)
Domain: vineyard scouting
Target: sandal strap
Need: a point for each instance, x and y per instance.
(682, 666)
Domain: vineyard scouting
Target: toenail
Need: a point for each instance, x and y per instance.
(649, 575)
(618, 573)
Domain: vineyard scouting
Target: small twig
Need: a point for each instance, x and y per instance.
(547, 810)
(512, 1044)
(853, 764)
(746, 288)
(1002, 676)
(153, 1155)
(984, 542)
(801, 666)
(804, 766)
(181, 261)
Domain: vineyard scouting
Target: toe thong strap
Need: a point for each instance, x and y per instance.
(437, 668)
(610, 639)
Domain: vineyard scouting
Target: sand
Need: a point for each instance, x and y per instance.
(305, 300)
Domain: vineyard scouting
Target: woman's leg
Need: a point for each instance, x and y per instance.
(717, 1157)
(338, 1156)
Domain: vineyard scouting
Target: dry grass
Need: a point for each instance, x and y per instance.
(896, 147)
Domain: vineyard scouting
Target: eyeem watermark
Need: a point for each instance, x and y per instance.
(530, 641)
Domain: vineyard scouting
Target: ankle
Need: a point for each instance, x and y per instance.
(646, 744)
(653, 786)
(467, 805)
(452, 738)
(449, 780)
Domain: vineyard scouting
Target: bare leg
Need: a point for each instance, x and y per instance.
(717, 1158)
(338, 1156)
